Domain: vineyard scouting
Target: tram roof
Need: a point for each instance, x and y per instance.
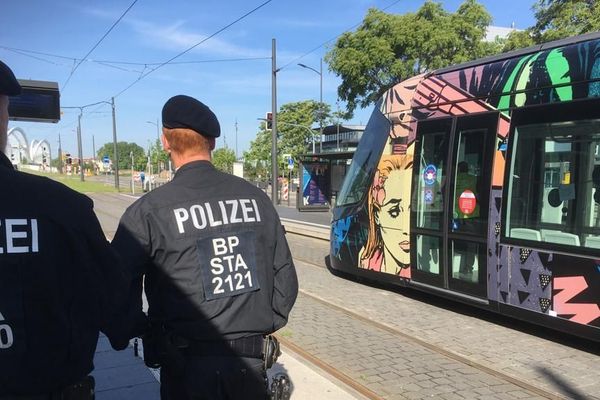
(519, 52)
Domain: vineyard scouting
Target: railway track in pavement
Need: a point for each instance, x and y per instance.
(549, 365)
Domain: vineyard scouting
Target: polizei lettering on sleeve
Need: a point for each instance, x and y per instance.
(18, 235)
(228, 265)
(210, 214)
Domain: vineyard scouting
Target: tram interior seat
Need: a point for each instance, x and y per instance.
(525, 233)
(592, 242)
(561, 238)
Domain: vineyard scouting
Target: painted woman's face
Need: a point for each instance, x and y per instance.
(394, 216)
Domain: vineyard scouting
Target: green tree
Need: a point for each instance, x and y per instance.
(295, 132)
(518, 40)
(158, 156)
(124, 150)
(557, 19)
(223, 159)
(386, 49)
(295, 123)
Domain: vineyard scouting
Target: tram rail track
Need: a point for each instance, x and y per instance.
(420, 342)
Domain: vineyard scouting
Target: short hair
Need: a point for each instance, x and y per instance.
(187, 141)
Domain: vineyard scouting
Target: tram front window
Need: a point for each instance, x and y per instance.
(365, 159)
(554, 186)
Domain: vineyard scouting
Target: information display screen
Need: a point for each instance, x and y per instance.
(39, 101)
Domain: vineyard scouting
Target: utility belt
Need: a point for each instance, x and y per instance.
(82, 390)
(162, 347)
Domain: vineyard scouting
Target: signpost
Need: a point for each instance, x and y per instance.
(105, 163)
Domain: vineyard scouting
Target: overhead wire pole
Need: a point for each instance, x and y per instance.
(116, 158)
(274, 174)
(79, 147)
(116, 154)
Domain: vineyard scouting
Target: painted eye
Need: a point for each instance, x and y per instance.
(394, 211)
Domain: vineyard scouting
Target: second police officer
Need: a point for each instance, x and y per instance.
(60, 281)
(219, 276)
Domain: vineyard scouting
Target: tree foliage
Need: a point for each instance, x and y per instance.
(295, 131)
(386, 48)
(223, 159)
(124, 149)
(557, 19)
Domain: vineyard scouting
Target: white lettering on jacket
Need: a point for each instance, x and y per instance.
(18, 235)
(224, 212)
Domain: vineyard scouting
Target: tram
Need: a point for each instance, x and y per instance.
(481, 182)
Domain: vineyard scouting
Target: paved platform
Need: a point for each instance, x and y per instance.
(120, 375)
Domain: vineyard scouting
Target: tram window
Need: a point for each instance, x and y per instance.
(365, 159)
(554, 183)
(429, 175)
(468, 214)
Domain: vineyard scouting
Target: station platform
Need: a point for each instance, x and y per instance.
(120, 375)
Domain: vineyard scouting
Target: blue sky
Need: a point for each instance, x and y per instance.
(154, 31)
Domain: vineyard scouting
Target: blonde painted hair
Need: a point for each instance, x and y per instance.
(385, 167)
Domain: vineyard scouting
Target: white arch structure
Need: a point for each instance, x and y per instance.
(19, 149)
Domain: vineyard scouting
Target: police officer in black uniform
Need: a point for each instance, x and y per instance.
(59, 281)
(218, 271)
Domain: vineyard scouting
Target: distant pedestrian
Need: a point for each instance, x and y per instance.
(218, 271)
(59, 281)
(142, 179)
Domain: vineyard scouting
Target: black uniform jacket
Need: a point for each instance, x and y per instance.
(56, 273)
(214, 254)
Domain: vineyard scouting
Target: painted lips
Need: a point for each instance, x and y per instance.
(405, 245)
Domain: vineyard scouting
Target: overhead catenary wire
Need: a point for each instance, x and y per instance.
(194, 46)
(170, 61)
(98, 43)
(116, 63)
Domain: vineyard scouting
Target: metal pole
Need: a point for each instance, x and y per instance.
(321, 109)
(157, 147)
(79, 149)
(274, 173)
(60, 157)
(132, 182)
(115, 153)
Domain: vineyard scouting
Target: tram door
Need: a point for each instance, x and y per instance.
(450, 202)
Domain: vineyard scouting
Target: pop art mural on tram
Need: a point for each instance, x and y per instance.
(540, 232)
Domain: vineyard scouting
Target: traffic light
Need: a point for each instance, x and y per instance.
(269, 120)
(68, 158)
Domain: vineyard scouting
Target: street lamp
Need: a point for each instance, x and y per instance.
(157, 127)
(158, 138)
(116, 155)
(320, 72)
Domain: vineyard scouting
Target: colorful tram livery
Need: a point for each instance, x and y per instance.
(481, 182)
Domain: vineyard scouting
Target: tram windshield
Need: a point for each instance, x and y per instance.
(365, 159)
(554, 186)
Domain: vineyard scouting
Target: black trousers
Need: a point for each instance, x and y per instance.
(216, 378)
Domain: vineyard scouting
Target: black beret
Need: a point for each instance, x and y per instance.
(186, 112)
(8, 83)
